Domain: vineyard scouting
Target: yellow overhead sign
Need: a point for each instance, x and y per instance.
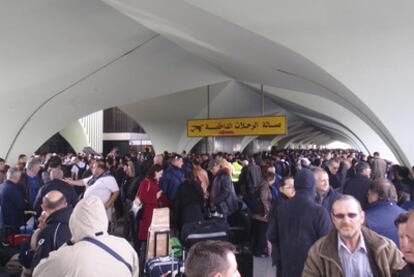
(244, 126)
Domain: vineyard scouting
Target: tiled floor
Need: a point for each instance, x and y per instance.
(263, 267)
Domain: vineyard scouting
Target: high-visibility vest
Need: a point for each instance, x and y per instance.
(236, 171)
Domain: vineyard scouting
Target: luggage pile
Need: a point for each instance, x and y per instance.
(166, 254)
(162, 258)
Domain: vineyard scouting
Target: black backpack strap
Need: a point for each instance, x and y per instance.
(109, 251)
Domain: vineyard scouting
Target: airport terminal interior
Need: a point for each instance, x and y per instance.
(289, 85)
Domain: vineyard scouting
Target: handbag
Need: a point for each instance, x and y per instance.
(137, 206)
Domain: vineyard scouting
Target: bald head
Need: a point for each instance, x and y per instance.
(53, 201)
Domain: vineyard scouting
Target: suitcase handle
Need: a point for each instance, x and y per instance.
(156, 234)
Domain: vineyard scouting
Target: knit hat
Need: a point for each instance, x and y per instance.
(305, 181)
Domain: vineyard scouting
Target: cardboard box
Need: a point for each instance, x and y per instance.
(159, 234)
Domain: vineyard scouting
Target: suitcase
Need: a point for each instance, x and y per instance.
(213, 229)
(244, 258)
(16, 240)
(159, 266)
(240, 227)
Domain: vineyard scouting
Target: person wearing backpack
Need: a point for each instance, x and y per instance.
(77, 171)
(223, 197)
(79, 167)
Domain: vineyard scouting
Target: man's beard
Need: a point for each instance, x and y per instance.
(347, 230)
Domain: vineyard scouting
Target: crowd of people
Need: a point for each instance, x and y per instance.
(315, 212)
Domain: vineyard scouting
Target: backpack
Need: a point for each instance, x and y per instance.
(254, 178)
(254, 203)
(81, 171)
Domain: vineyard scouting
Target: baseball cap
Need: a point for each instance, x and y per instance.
(212, 164)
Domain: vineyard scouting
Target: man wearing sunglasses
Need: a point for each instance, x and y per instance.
(352, 249)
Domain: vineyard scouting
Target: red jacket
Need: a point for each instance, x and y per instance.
(148, 194)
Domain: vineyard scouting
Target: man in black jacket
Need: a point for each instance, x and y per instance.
(250, 178)
(332, 170)
(55, 230)
(223, 196)
(299, 223)
(56, 183)
(12, 201)
(286, 192)
(358, 186)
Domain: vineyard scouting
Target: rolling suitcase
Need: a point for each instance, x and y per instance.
(244, 258)
(240, 227)
(166, 265)
(213, 229)
(159, 266)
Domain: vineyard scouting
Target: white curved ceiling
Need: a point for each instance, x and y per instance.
(334, 67)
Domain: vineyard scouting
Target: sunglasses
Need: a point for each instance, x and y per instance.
(342, 216)
(287, 187)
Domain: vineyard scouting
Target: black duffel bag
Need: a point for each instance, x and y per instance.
(212, 229)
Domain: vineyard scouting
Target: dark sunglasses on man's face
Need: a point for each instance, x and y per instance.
(342, 216)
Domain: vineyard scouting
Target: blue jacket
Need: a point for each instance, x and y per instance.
(12, 205)
(380, 216)
(334, 180)
(409, 205)
(30, 187)
(329, 199)
(171, 180)
(275, 188)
